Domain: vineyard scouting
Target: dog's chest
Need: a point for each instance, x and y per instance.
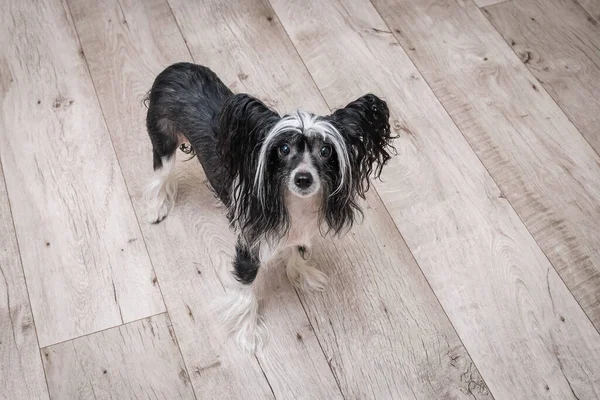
(304, 220)
(304, 224)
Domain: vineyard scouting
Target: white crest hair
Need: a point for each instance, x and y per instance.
(308, 124)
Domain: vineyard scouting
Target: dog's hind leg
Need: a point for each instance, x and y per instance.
(162, 190)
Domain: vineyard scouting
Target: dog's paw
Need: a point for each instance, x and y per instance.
(158, 212)
(237, 310)
(160, 201)
(306, 277)
(251, 335)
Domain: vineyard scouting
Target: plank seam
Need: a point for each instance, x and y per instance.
(586, 10)
(103, 330)
(491, 5)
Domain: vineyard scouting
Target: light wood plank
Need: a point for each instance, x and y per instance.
(21, 373)
(379, 322)
(123, 71)
(195, 236)
(520, 324)
(486, 3)
(560, 44)
(592, 7)
(136, 360)
(542, 164)
(85, 267)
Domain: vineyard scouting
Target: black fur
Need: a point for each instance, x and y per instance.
(227, 132)
(245, 264)
(243, 124)
(364, 124)
(187, 99)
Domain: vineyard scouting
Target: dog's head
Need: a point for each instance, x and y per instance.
(269, 156)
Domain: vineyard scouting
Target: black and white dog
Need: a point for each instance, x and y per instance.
(283, 179)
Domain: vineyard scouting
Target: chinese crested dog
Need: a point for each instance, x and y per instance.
(283, 179)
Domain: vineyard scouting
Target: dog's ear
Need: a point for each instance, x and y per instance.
(365, 126)
(243, 125)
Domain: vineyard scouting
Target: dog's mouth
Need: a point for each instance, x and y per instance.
(304, 193)
(304, 182)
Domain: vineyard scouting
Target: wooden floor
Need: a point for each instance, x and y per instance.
(475, 274)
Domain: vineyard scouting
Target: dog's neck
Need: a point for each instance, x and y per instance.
(304, 218)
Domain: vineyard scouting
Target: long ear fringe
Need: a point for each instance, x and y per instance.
(364, 125)
(243, 124)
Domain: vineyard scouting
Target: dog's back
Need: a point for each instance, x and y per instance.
(184, 105)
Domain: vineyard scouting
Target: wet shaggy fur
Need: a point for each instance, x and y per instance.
(266, 168)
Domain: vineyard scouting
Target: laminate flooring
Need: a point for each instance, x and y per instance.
(476, 270)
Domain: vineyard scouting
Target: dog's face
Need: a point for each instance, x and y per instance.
(301, 161)
(304, 154)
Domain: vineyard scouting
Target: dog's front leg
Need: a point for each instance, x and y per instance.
(239, 309)
(302, 273)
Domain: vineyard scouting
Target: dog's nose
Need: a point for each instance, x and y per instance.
(303, 180)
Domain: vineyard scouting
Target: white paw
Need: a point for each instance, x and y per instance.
(306, 277)
(238, 311)
(160, 200)
(251, 335)
(161, 191)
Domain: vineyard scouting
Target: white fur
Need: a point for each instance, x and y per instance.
(304, 225)
(161, 191)
(238, 312)
(304, 219)
(303, 274)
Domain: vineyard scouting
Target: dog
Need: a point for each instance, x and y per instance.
(282, 179)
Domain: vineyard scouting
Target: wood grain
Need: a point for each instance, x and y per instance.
(85, 267)
(136, 360)
(384, 338)
(520, 324)
(560, 44)
(195, 239)
(592, 7)
(21, 373)
(540, 161)
(111, 33)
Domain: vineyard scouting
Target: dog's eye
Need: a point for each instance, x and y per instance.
(284, 149)
(326, 151)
